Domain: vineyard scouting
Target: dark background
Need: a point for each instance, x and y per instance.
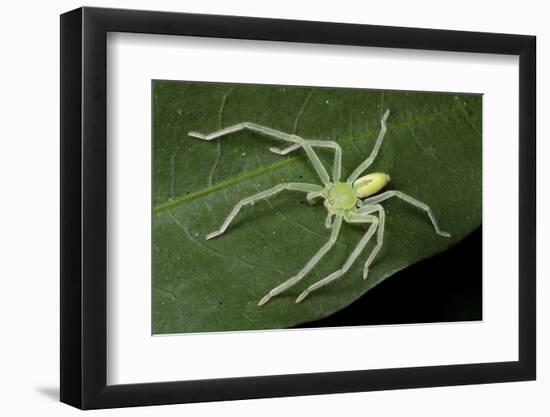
(446, 287)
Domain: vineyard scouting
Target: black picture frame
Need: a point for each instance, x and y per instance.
(84, 207)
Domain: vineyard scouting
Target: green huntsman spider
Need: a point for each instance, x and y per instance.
(352, 201)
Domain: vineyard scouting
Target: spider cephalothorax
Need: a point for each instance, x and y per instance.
(340, 197)
(354, 201)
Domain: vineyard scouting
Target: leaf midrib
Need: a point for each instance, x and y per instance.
(280, 164)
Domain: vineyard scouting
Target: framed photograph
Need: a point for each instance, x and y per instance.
(258, 208)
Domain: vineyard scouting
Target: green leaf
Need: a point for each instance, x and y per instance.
(432, 151)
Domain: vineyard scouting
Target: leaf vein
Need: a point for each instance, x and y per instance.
(433, 155)
(219, 148)
(169, 293)
(208, 248)
(302, 109)
(470, 122)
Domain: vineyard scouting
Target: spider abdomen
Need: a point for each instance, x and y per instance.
(370, 184)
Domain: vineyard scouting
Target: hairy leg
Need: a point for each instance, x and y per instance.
(321, 171)
(294, 186)
(410, 200)
(367, 162)
(379, 235)
(310, 264)
(337, 167)
(312, 196)
(328, 220)
(352, 218)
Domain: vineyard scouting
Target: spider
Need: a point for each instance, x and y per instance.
(353, 201)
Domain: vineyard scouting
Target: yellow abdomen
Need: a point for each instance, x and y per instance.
(370, 184)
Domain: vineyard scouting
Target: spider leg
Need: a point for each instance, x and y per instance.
(267, 131)
(285, 151)
(312, 196)
(337, 167)
(351, 218)
(410, 200)
(294, 186)
(379, 235)
(367, 162)
(328, 220)
(309, 266)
